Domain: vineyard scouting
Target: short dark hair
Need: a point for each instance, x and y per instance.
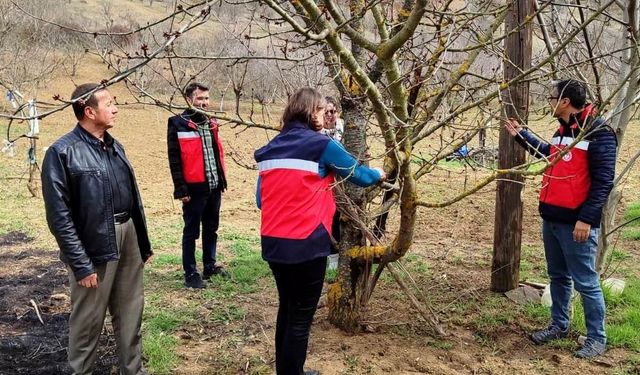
(573, 90)
(301, 106)
(90, 101)
(192, 87)
(332, 100)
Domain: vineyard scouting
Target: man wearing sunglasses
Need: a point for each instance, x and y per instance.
(575, 188)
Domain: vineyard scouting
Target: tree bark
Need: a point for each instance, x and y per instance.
(505, 270)
(347, 296)
(619, 121)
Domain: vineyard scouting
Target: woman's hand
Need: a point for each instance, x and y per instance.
(383, 176)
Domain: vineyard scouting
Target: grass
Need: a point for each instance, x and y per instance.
(533, 266)
(623, 317)
(160, 322)
(19, 211)
(632, 230)
(166, 313)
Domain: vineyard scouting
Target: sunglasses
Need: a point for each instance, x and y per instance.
(331, 111)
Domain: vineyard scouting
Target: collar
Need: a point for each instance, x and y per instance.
(194, 116)
(295, 124)
(579, 119)
(90, 138)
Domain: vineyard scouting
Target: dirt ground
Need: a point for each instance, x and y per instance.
(32, 344)
(454, 242)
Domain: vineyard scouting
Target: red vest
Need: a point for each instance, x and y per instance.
(192, 154)
(566, 184)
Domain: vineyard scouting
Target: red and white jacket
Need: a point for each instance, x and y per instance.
(576, 186)
(186, 155)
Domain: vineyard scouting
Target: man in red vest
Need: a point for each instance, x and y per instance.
(196, 160)
(575, 188)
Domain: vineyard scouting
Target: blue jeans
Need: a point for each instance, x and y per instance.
(567, 261)
(205, 209)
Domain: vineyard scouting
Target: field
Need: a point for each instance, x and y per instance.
(229, 327)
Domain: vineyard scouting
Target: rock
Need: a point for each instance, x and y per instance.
(615, 286)
(523, 295)
(546, 297)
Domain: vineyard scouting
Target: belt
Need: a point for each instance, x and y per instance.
(122, 217)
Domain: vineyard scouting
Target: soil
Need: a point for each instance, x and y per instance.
(29, 346)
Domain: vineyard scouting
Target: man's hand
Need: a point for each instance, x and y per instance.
(149, 260)
(581, 231)
(512, 126)
(185, 199)
(90, 281)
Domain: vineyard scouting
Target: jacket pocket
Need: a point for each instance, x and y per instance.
(192, 157)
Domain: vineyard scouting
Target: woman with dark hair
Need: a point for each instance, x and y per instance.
(297, 170)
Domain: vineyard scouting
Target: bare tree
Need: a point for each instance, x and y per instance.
(417, 80)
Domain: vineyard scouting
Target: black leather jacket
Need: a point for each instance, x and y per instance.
(78, 201)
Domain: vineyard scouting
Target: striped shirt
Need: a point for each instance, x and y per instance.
(210, 167)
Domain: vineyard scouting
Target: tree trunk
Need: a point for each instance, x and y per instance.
(347, 296)
(607, 224)
(505, 270)
(620, 120)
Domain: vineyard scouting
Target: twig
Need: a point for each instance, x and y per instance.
(33, 303)
(424, 310)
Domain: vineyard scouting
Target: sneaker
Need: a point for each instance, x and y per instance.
(548, 334)
(217, 270)
(591, 349)
(194, 281)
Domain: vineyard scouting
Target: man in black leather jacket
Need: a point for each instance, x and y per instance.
(95, 212)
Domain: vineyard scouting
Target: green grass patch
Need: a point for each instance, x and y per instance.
(632, 230)
(533, 266)
(226, 314)
(623, 316)
(495, 311)
(247, 266)
(159, 350)
(160, 322)
(442, 344)
(416, 265)
(632, 212)
(167, 259)
(537, 313)
(331, 276)
(167, 232)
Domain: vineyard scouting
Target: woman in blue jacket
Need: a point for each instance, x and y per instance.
(297, 170)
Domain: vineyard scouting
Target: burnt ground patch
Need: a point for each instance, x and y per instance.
(28, 346)
(14, 238)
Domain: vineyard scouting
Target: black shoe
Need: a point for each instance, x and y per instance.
(548, 334)
(591, 349)
(194, 281)
(215, 271)
(312, 372)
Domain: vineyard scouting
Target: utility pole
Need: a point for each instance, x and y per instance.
(507, 238)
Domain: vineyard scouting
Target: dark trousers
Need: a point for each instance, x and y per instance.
(299, 288)
(205, 209)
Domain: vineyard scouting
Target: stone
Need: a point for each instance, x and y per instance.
(523, 295)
